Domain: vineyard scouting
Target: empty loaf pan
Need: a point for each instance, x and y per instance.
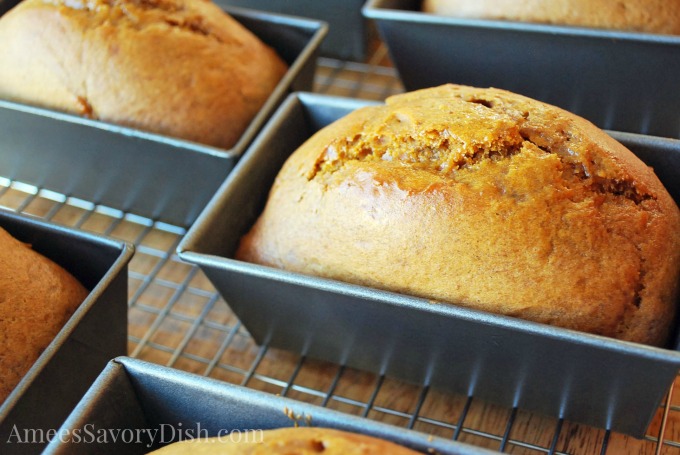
(148, 174)
(140, 398)
(96, 333)
(347, 33)
(618, 80)
(559, 372)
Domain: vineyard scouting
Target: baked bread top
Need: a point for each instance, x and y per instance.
(483, 198)
(652, 16)
(37, 297)
(290, 441)
(182, 68)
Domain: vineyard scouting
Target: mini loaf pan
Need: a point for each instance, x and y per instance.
(558, 372)
(138, 399)
(347, 29)
(149, 174)
(96, 333)
(621, 81)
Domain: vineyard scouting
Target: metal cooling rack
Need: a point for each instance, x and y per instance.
(176, 318)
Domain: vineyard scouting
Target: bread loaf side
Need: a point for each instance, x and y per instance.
(37, 297)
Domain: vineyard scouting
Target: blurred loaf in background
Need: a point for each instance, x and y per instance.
(182, 68)
(652, 16)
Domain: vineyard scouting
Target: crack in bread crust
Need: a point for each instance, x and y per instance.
(439, 152)
(140, 14)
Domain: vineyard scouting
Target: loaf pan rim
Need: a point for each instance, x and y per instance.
(133, 367)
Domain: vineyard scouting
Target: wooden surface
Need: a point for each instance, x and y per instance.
(177, 319)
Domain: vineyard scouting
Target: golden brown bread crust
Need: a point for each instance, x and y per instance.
(177, 67)
(290, 441)
(652, 16)
(483, 198)
(36, 299)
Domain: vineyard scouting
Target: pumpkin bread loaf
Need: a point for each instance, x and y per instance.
(298, 441)
(182, 68)
(650, 16)
(481, 198)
